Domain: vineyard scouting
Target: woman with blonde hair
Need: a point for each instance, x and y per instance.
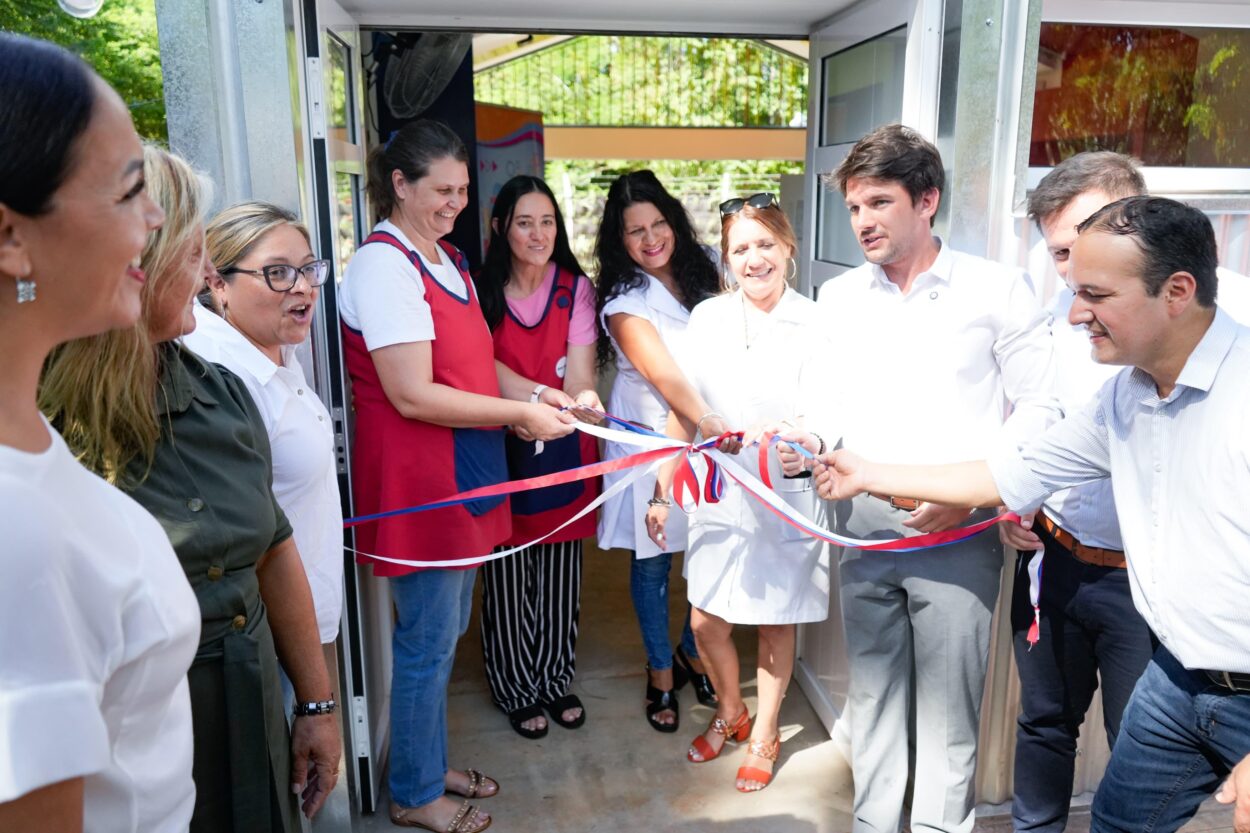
(259, 308)
(97, 623)
(184, 439)
(758, 361)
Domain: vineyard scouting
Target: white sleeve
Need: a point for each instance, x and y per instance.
(1024, 350)
(384, 298)
(630, 303)
(52, 655)
(1073, 451)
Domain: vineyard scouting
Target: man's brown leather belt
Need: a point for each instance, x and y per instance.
(1097, 556)
(907, 503)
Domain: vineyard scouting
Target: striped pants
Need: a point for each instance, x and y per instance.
(530, 605)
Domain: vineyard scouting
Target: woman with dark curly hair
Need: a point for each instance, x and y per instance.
(652, 272)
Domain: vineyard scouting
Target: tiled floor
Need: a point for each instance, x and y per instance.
(616, 775)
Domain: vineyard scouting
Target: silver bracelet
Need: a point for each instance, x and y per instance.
(698, 426)
(660, 501)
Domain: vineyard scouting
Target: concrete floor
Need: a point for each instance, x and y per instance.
(616, 775)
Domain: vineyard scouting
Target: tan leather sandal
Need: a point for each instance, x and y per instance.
(468, 819)
(480, 786)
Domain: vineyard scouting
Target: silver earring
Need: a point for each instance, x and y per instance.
(794, 271)
(25, 290)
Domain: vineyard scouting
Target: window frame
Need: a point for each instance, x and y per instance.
(1209, 187)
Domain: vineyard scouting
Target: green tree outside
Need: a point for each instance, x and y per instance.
(120, 42)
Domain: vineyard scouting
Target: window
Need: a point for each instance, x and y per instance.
(862, 89)
(339, 83)
(1171, 96)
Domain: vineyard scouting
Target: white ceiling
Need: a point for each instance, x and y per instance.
(727, 17)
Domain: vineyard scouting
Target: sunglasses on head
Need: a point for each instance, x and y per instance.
(735, 205)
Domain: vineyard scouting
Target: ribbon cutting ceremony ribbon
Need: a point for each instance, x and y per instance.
(659, 449)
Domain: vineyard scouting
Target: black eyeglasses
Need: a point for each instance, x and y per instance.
(735, 205)
(281, 277)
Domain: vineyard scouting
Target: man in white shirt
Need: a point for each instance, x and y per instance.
(1172, 431)
(933, 343)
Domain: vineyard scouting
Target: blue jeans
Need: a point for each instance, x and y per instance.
(433, 608)
(1089, 630)
(1180, 737)
(648, 585)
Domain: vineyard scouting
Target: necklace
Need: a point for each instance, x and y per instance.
(747, 338)
(746, 333)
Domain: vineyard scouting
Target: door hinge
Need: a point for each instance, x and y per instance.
(316, 97)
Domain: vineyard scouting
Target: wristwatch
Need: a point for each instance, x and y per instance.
(538, 392)
(315, 707)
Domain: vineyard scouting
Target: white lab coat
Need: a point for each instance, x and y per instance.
(743, 563)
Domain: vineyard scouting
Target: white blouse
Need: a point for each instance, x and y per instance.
(98, 627)
(622, 520)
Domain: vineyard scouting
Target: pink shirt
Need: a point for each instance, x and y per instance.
(530, 309)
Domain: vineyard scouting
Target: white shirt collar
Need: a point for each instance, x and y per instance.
(1200, 368)
(941, 270)
(661, 300)
(236, 345)
(788, 308)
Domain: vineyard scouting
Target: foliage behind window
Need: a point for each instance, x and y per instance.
(1169, 96)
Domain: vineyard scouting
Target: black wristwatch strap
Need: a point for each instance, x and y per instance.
(315, 707)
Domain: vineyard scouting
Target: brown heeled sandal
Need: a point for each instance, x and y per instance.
(468, 819)
(760, 749)
(736, 731)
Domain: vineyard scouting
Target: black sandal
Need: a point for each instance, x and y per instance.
(702, 683)
(519, 716)
(557, 707)
(660, 701)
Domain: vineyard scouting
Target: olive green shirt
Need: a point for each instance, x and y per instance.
(209, 486)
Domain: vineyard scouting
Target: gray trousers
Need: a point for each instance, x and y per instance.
(917, 635)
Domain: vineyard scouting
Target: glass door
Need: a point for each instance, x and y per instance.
(873, 64)
(335, 175)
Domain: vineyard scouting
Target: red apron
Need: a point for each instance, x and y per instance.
(399, 462)
(540, 353)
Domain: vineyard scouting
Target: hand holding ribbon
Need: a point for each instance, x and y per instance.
(540, 421)
(790, 447)
(839, 475)
(728, 441)
(587, 407)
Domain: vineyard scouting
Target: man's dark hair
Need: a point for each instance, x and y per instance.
(894, 153)
(1115, 174)
(1173, 237)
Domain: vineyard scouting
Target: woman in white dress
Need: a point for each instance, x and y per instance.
(652, 272)
(756, 358)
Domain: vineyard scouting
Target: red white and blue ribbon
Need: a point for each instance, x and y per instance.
(658, 449)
